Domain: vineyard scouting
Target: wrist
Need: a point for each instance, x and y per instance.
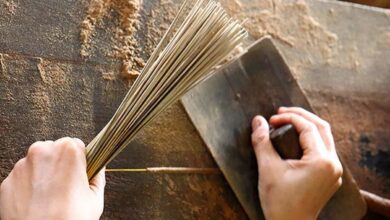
(284, 216)
(282, 213)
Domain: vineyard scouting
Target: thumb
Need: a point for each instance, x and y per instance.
(261, 142)
(98, 183)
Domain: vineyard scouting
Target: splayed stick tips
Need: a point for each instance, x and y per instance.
(183, 58)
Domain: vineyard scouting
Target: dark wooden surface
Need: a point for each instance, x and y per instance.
(47, 91)
(222, 109)
(338, 53)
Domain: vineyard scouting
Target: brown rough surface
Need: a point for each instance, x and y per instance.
(10, 6)
(290, 23)
(341, 70)
(59, 94)
(64, 95)
(127, 46)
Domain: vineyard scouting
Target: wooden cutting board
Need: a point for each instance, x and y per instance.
(221, 109)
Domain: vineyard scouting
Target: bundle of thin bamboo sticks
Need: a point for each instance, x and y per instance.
(197, 41)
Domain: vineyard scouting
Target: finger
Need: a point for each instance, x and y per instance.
(261, 142)
(339, 182)
(299, 122)
(80, 143)
(70, 151)
(19, 167)
(39, 151)
(98, 183)
(70, 142)
(3, 186)
(256, 122)
(322, 125)
(308, 132)
(302, 112)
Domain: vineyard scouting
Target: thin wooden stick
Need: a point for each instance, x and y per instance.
(175, 170)
(198, 40)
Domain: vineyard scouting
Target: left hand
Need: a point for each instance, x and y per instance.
(51, 183)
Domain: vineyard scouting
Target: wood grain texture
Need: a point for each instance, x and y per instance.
(222, 108)
(47, 91)
(80, 101)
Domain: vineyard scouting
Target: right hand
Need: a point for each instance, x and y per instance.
(296, 189)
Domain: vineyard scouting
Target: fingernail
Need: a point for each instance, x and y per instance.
(256, 123)
(282, 108)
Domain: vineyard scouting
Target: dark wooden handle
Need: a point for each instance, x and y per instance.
(377, 204)
(286, 142)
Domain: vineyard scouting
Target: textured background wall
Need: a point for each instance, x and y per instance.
(339, 54)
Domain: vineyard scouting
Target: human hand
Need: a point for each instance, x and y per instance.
(51, 183)
(296, 189)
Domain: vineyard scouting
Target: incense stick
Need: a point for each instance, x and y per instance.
(194, 44)
(174, 170)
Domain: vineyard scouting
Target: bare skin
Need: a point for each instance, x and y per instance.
(51, 183)
(296, 189)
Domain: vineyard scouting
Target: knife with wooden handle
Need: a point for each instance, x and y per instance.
(221, 108)
(286, 142)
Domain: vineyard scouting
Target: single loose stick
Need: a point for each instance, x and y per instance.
(174, 170)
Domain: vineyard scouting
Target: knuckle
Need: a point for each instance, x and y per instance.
(36, 150)
(257, 138)
(331, 167)
(66, 140)
(326, 165)
(72, 149)
(69, 146)
(299, 109)
(338, 171)
(325, 125)
(310, 126)
(339, 182)
(19, 165)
